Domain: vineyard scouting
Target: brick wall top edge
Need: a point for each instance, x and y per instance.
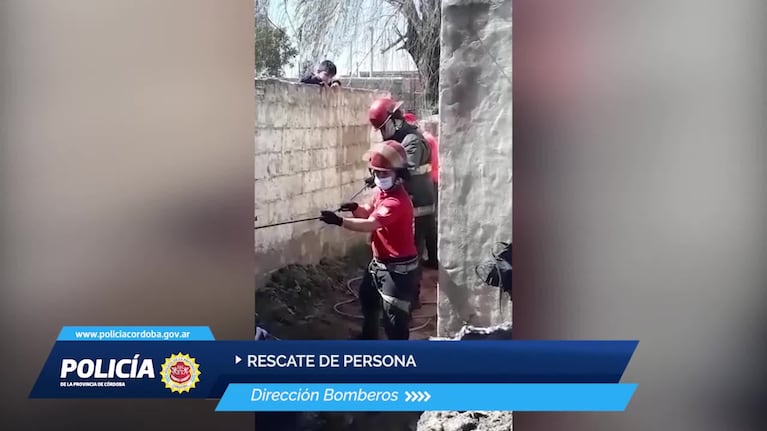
(289, 84)
(452, 3)
(382, 79)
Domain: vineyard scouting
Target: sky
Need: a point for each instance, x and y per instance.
(351, 47)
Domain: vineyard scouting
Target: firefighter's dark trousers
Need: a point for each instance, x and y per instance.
(388, 287)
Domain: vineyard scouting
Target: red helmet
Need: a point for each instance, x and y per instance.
(387, 156)
(410, 118)
(381, 110)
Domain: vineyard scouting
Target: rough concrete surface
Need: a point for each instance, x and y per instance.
(465, 421)
(475, 207)
(476, 420)
(467, 333)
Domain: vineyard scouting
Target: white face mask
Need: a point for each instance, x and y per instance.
(384, 183)
(388, 130)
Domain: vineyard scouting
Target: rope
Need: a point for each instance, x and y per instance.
(351, 291)
(285, 222)
(306, 219)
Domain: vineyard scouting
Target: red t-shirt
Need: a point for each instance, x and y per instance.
(395, 238)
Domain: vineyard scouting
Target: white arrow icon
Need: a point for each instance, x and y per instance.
(417, 396)
(237, 359)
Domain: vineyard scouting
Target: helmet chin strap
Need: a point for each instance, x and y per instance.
(390, 123)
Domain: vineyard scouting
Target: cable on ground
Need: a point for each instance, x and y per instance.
(337, 307)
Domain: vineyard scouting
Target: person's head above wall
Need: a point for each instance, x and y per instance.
(326, 71)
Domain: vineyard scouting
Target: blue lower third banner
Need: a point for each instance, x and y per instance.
(424, 397)
(188, 362)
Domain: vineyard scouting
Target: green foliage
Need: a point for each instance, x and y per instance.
(273, 49)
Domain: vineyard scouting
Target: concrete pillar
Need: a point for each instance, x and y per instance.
(475, 207)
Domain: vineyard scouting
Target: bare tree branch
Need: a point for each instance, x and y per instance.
(325, 28)
(391, 45)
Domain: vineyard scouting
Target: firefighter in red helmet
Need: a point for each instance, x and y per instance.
(392, 276)
(429, 237)
(386, 116)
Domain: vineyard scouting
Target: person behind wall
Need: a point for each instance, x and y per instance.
(386, 116)
(431, 236)
(392, 276)
(324, 75)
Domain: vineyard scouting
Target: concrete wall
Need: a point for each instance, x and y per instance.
(475, 207)
(309, 147)
(408, 89)
(430, 124)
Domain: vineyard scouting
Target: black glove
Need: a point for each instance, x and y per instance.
(330, 217)
(370, 181)
(349, 206)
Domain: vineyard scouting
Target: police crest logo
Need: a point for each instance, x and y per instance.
(180, 373)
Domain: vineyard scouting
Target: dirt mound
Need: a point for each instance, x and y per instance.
(317, 302)
(297, 301)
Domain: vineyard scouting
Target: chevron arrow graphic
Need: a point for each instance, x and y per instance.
(417, 396)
